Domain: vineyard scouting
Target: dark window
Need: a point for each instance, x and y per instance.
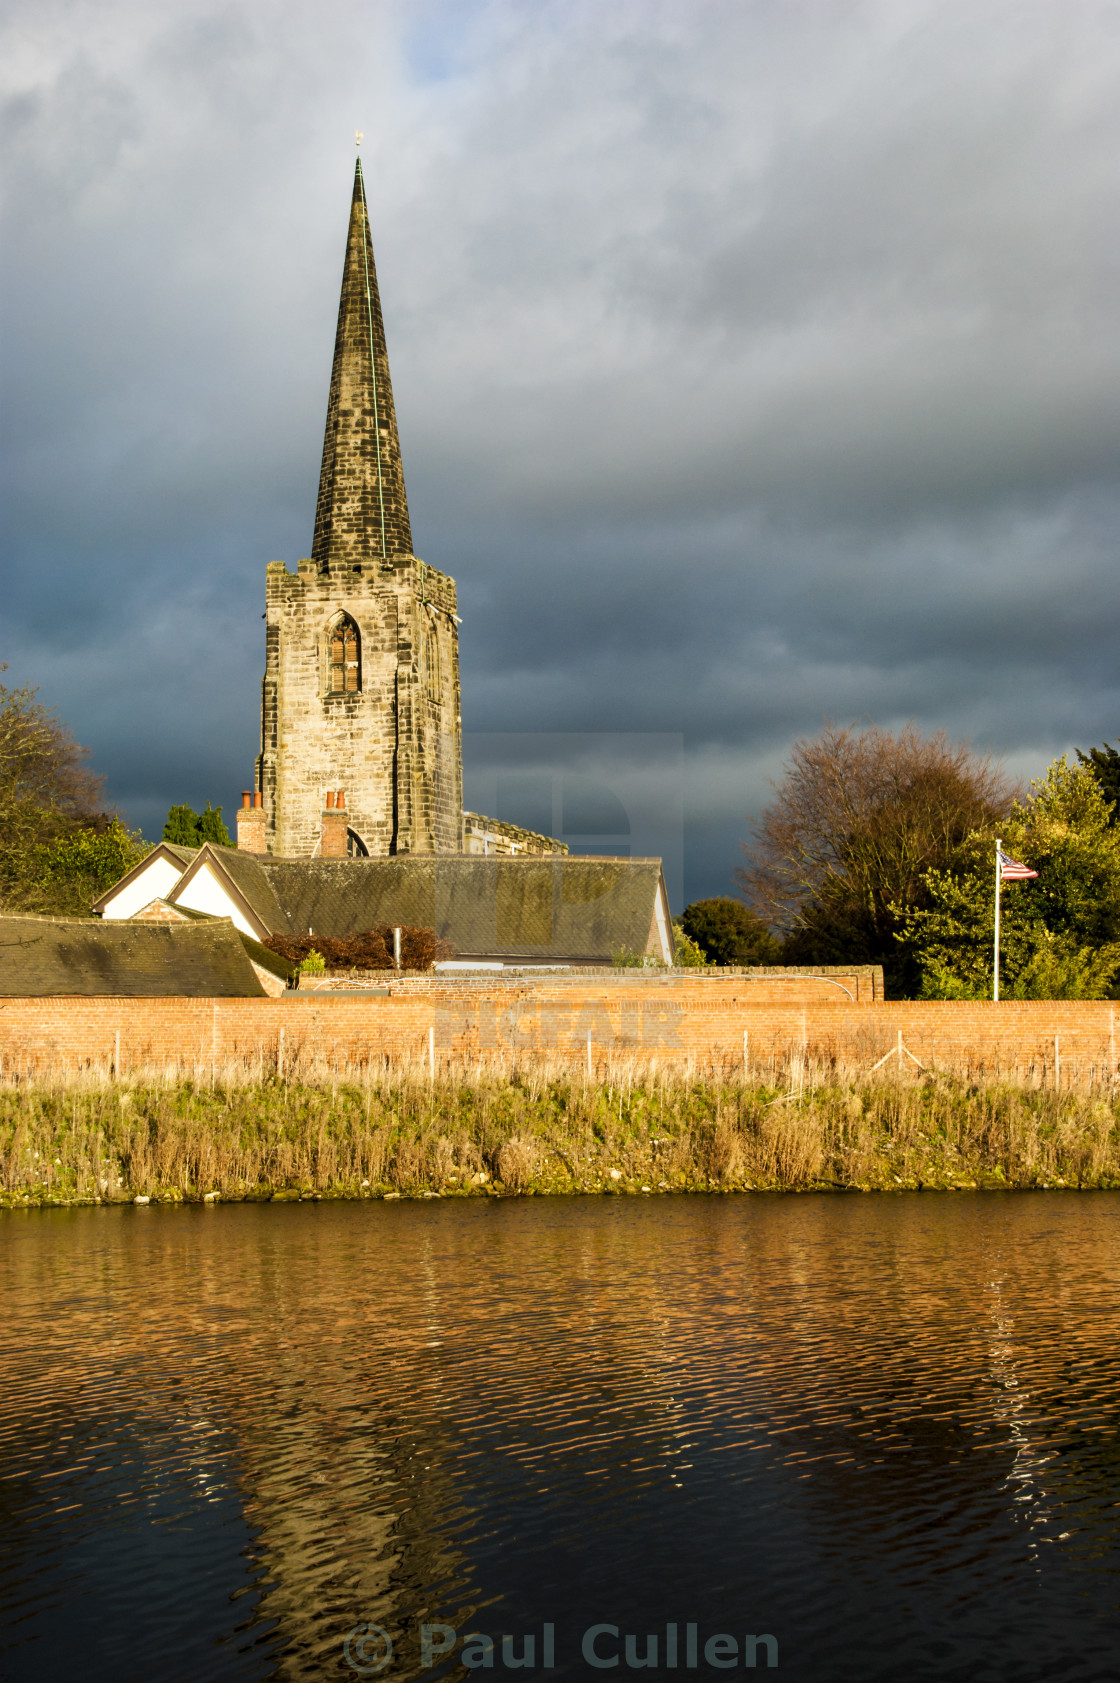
(345, 659)
(355, 846)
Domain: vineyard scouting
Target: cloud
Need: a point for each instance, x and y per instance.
(754, 363)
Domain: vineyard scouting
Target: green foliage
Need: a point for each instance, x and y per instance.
(1059, 935)
(628, 958)
(181, 829)
(76, 868)
(728, 932)
(314, 963)
(211, 828)
(187, 828)
(59, 848)
(687, 953)
(1104, 762)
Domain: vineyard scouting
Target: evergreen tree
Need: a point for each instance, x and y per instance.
(181, 829)
(187, 828)
(211, 828)
(728, 932)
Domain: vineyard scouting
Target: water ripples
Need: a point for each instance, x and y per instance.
(883, 1429)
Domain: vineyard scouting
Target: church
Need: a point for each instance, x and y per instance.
(356, 814)
(361, 684)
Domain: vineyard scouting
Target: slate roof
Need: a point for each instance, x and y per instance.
(204, 959)
(574, 907)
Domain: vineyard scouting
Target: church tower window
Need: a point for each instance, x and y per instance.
(344, 674)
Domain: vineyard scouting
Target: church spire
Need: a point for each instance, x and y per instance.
(362, 513)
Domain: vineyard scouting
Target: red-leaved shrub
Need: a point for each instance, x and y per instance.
(370, 949)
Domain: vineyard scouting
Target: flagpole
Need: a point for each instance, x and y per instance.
(995, 966)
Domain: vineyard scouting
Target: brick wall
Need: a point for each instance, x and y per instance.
(706, 1023)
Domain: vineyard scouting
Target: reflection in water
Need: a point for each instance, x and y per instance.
(883, 1430)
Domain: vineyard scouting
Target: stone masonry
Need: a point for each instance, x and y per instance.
(380, 719)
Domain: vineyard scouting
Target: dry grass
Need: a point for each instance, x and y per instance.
(536, 1126)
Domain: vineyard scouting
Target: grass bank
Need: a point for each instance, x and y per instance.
(537, 1128)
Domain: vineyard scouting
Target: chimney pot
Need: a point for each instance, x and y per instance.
(340, 799)
(258, 799)
(332, 835)
(250, 824)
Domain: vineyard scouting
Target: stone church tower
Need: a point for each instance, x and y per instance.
(361, 685)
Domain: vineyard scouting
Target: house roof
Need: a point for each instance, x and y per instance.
(204, 959)
(576, 907)
(180, 856)
(249, 885)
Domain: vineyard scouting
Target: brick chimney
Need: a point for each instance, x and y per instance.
(332, 844)
(250, 823)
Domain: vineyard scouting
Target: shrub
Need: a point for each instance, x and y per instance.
(727, 932)
(687, 953)
(370, 949)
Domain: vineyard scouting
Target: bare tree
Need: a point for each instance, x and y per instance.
(59, 847)
(45, 784)
(858, 819)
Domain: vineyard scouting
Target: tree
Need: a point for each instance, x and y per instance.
(1104, 762)
(728, 932)
(76, 868)
(842, 855)
(187, 828)
(687, 953)
(1059, 934)
(181, 828)
(59, 847)
(211, 828)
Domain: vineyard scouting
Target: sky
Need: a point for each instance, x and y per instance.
(757, 363)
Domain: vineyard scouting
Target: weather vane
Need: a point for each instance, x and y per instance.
(359, 136)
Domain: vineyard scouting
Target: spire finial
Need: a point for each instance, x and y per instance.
(359, 136)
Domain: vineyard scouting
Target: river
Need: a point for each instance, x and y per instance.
(868, 1437)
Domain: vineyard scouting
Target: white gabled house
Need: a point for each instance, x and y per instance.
(560, 909)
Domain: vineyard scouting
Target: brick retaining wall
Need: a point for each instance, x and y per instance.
(677, 1020)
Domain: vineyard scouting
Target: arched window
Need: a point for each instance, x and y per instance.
(355, 846)
(344, 671)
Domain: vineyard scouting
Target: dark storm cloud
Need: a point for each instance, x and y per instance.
(754, 363)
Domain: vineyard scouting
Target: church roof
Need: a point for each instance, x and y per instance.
(86, 956)
(362, 512)
(570, 907)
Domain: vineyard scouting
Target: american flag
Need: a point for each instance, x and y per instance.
(1010, 869)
